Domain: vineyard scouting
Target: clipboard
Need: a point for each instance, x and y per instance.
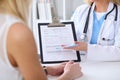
(51, 39)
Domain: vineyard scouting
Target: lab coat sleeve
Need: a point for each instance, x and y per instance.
(103, 53)
(77, 18)
(106, 53)
(117, 37)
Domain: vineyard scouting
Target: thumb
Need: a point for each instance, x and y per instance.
(76, 42)
(70, 62)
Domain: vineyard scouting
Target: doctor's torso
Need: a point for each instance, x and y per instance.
(109, 31)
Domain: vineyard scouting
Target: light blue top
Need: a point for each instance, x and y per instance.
(97, 23)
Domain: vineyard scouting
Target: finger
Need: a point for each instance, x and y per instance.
(71, 46)
(63, 45)
(70, 62)
(63, 63)
(76, 42)
(77, 66)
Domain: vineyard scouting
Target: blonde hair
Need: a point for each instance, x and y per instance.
(117, 2)
(18, 8)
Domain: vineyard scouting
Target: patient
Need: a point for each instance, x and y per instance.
(18, 52)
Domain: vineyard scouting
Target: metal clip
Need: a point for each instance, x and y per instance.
(55, 18)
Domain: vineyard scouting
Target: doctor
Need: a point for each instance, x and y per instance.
(98, 25)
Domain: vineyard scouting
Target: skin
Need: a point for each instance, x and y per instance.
(22, 54)
(56, 70)
(80, 46)
(101, 6)
(20, 43)
(71, 69)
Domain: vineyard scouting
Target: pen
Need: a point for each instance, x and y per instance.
(73, 45)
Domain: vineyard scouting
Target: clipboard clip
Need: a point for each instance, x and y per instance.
(55, 18)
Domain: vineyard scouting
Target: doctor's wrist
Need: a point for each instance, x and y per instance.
(85, 47)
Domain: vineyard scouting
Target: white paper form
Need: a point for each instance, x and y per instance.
(52, 38)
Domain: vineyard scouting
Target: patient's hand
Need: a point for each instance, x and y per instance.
(56, 70)
(72, 71)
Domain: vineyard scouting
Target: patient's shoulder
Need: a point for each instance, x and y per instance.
(19, 32)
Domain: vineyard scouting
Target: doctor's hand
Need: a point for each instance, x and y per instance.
(82, 46)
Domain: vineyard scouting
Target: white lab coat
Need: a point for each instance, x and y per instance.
(104, 50)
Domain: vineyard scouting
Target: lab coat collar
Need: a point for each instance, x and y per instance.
(110, 7)
(89, 33)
